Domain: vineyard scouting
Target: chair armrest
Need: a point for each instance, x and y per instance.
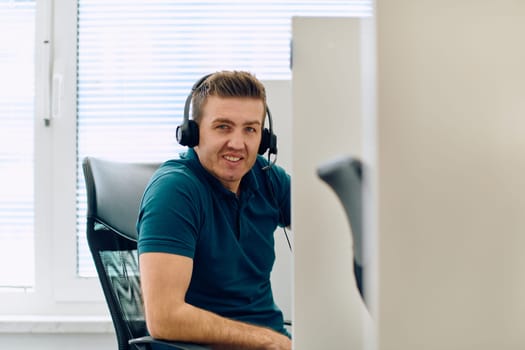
(175, 345)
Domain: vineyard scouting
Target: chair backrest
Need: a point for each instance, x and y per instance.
(114, 191)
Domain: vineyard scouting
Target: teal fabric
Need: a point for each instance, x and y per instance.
(187, 211)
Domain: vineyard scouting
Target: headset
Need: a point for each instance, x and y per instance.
(188, 132)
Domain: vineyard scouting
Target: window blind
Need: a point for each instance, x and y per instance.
(137, 60)
(17, 25)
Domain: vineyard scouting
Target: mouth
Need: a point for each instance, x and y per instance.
(232, 158)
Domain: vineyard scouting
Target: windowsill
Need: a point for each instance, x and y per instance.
(55, 324)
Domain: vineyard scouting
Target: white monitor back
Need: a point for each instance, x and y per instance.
(327, 110)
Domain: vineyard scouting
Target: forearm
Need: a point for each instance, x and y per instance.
(191, 324)
(165, 279)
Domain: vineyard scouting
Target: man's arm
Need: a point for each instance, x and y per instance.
(165, 279)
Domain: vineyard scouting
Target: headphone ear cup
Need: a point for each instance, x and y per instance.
(265, 141)
(188, 134)
(272, 147)
(268, 142)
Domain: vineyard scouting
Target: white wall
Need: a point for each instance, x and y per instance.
(57, 332)
(279, 96)
(451, 160)
(53, 341)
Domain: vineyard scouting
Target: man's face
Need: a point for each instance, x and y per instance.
(229, 136)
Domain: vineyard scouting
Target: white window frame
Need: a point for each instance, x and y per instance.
(57, 289)
(67, 285)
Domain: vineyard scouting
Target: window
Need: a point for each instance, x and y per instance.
(17, 23)
(107, 78)
(137, 62)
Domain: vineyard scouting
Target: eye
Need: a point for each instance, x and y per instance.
(251, 129)
(223, 126)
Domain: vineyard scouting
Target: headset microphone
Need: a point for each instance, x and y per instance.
(270, 162)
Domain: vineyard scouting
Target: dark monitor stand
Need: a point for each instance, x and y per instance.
(345, 176)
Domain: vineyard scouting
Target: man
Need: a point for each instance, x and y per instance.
(207, 221)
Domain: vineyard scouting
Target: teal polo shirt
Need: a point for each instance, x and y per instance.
(186, 211)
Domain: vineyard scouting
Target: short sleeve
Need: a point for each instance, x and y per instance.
(169, 218)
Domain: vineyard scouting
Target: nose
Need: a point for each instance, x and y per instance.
(237, 140)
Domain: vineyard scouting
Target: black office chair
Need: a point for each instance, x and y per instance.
(344, 175)
(114, 192)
